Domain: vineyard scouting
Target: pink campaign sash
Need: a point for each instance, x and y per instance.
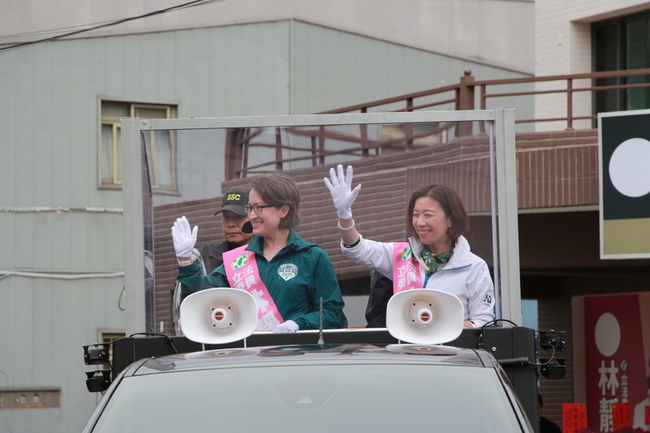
(242, 272)
(406, 270)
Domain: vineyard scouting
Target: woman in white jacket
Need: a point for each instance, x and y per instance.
(437, 256)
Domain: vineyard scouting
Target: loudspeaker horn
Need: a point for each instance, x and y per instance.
(425, 316)
(218, 316)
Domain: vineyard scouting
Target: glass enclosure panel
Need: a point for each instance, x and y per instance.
(391, 161)
(161, 149)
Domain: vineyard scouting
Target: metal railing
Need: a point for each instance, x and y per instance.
(465, 95)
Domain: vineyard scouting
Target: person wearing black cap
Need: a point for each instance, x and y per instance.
(235, 225)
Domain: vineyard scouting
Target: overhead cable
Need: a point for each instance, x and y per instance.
(109, 24)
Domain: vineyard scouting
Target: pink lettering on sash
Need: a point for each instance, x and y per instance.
(406, 270)
(242, 273)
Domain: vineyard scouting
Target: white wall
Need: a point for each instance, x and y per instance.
(333, 68)
(497, 32)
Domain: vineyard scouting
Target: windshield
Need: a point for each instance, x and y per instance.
(315, 398)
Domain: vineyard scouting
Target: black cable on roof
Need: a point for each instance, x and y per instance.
(107, 24)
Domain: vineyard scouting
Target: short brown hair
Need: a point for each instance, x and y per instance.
(278, 189)
(451, 204)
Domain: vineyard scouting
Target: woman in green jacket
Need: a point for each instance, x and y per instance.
(277, 266)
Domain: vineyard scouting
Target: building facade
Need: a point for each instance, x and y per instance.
(61, 270)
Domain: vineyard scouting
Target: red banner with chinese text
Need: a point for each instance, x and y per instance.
(574, 417)
(621, 416)
(615, 359)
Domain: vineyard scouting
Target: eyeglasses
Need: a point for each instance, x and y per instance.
(257, 208)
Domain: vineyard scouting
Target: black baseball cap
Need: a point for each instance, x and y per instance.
(235, 200)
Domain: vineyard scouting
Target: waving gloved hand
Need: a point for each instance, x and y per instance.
(341, 189)
(184, 238)
(286, 327)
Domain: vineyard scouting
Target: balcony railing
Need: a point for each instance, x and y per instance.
(463, 94)
(467, 94)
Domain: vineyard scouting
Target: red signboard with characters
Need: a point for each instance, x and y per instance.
(616, 360)
(574, 417)
(621, 416)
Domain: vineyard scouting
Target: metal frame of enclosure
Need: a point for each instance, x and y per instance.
(497, 124)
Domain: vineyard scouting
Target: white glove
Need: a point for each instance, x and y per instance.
(184, 238)
(288, 326)
(342, 194)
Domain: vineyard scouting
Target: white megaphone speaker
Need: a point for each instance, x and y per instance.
(424, 316)
(218, 316)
